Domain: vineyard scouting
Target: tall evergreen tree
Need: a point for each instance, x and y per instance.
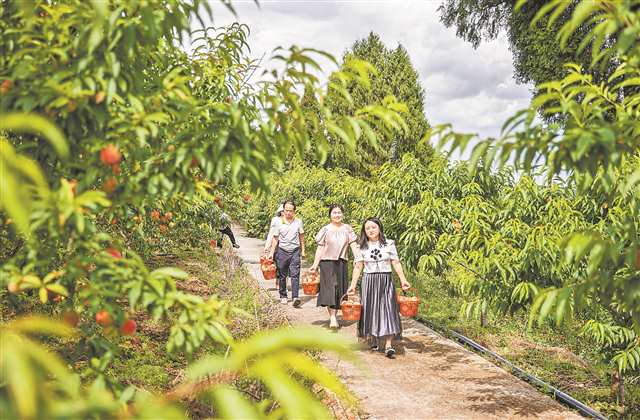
(395, 76)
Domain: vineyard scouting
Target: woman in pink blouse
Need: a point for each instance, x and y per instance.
(331, 256)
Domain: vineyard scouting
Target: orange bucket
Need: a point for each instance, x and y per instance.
(268, 269)
(311, 283)
(351, 308)
(408, 304)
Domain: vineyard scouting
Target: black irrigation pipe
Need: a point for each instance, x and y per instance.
(555, 392)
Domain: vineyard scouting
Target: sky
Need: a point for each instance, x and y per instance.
(473, 89)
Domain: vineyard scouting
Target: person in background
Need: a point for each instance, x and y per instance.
(331, 256)
(226, 228)
(380, 317)
(272, 226)
(288, 246)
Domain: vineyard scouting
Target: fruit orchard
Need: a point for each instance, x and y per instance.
(117, 145)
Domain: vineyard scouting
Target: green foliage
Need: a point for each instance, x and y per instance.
(394, 77)
(599, 144)
(141, 137)
(272, 358)
(26, 365)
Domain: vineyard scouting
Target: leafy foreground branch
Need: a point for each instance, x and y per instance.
(278, 359)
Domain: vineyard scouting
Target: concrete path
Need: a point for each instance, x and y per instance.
(431, 378)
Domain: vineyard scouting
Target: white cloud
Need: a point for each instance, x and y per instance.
(472, 89)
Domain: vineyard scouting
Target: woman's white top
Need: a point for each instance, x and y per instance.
(376, 258)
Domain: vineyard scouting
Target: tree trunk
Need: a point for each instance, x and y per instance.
(483, 318)
(617, 388)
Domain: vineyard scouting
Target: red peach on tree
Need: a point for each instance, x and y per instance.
(110, 155)
(128, 327)
(103, 318)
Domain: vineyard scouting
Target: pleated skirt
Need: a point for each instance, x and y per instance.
(380, 309)
(333, 283)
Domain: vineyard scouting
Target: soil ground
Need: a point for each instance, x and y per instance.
(431, 378)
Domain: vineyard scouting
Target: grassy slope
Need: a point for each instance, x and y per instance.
(144, 361)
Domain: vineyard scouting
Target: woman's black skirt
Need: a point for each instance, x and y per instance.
(333, 282)
(380, 309)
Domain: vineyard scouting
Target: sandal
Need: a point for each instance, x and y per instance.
(374, 347)
(390, 353)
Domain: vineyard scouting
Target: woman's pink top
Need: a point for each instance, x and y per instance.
(335, 241)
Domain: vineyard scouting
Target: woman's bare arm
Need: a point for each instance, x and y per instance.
(403, 280)
(318, 257)
(357, 270)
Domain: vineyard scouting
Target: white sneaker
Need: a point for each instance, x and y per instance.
(284, 301)
(333, 322)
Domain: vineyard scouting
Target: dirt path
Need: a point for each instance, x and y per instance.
(431, 378)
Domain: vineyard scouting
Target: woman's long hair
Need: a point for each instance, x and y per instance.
(364, 239)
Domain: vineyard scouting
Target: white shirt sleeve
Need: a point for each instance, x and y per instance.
(272, 229)
(275, 227)
(358, 257)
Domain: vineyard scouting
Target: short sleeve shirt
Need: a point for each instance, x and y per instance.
(272, 229)
(377, 258)
(288, 234)
(335, 241)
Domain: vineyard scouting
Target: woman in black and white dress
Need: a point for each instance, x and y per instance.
(377, 256)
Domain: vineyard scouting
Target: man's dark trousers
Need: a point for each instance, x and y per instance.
(288, 263)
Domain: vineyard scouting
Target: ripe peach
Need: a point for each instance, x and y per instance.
(128, 327)
(100, 97)
(13, 287)
(114, 253)
(103, 318)
(110, 185)
(110, 155)
(5, 86)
